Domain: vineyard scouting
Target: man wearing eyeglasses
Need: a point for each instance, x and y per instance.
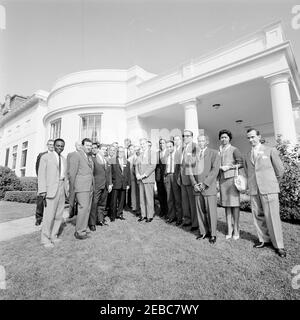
(188, 199)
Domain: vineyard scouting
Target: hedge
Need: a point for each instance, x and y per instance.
(8, 181)
(29, 183)
(21, 196)
(289, 196)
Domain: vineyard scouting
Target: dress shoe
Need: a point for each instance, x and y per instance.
(228, 236)
(92, 228)
(171, 220)
(201, 237)
(103, 223)
(141, 219)
(49, 245)
(178, 223)
(121, 218)
(281, 252)
(149, 220)
(236, 236)
(212, 239)
(38, 223)
(80, 237)
(260, 245)
(56, 240)
(112, 219)
(194, 228)
(186, 224)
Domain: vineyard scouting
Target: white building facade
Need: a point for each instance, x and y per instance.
(253, 82)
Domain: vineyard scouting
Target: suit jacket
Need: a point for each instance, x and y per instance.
(81, 172)
(212, 161)
(263, 175)
(102, 173)
(120, 178)
(48, 175)
(178, 155)
(38, 159)
(187, 153)
(160, 167)
(146, 164)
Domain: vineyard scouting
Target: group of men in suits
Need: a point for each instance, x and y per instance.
(186, 177)
(185, 174)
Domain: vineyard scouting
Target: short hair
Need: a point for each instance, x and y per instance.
(185, 130)
(225, 131)
(177, 135)
(86, 140)
(253, 129)
(143, 139)
(103, 145)
(50, 140)
(59, 139)
(149, 142)
(162, 139)
(131, 145)
(204, 135)
(171, 141)
(96, 144)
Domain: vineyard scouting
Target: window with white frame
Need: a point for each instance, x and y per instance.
(14, 157)
(91, 126)
(55, 129)
(24, 154)
(6, 157)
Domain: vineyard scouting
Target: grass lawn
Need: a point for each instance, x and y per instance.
(15, 210)
(131, 260)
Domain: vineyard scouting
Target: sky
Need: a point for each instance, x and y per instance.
(47, 39)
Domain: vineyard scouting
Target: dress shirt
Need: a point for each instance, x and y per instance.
(171, 169)
(62, 171)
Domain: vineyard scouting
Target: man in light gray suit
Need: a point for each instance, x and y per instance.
(145, 174)
(263, 168)
(53, 187)
(82, 182)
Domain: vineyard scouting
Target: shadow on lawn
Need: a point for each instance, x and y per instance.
(222, 227)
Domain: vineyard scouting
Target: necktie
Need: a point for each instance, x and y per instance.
(59, 165)
(171, 163)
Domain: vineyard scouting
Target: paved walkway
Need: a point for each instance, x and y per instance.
(20, 227)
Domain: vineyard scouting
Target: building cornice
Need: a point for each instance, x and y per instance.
(282, 47)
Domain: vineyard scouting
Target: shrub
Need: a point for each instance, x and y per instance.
(29, 183)
(289, 196)
(21, 196)
(8, 181)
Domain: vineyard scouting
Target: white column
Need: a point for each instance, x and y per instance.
(191, 116)
(135, 129)
(282, 107)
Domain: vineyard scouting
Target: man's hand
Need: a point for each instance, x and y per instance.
(127, 187)
(144, 176)
(197, 188)
(138, 176)
(225, 168)
(110, 188)
(43, 194)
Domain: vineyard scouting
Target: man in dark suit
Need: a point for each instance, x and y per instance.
(73, 206)
(172, 188)
(188, 199)
(102, 186)
(120, 171)
(82, 181)
(159, 178)
(39, 199)
(204, 168)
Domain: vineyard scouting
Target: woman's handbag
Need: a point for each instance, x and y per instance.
(240, 181)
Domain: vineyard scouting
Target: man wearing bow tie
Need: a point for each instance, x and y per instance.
(81, 181)
(53, 187)
(264, 168)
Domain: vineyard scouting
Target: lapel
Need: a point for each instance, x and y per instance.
(54, 158)
(90, 164)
